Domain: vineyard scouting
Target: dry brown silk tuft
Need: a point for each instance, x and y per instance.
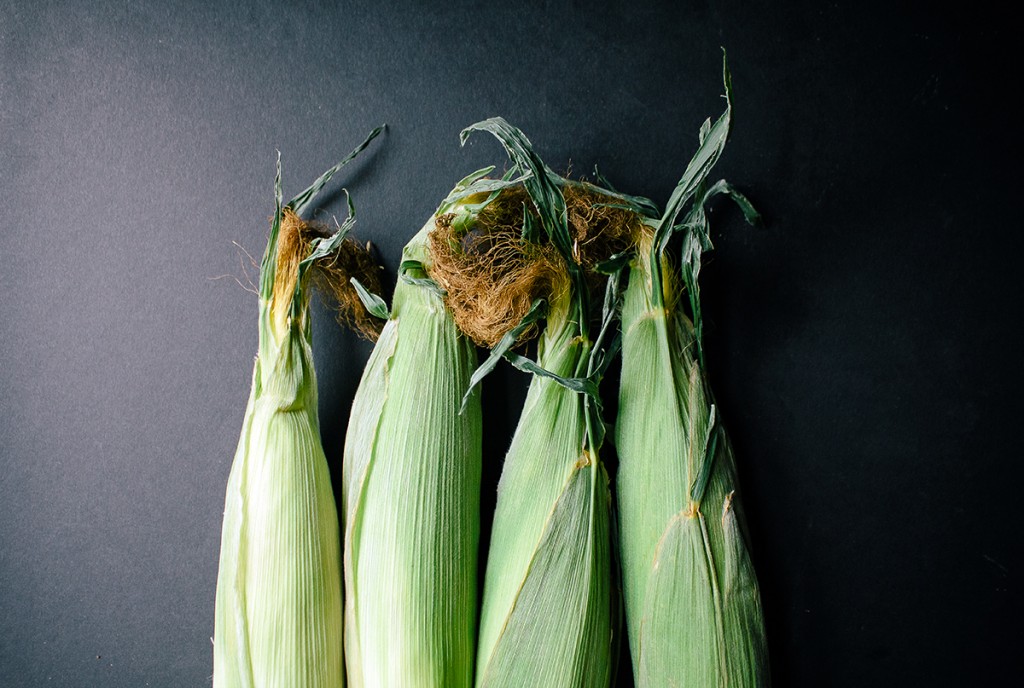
(330, 274)
(491, 276)
(598, 229)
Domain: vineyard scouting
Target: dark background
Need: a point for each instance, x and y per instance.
(864, 345)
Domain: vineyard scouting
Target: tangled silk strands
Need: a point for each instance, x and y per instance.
(491, 276)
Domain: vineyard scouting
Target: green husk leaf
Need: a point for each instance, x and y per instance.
(321, 248)
(411, 265)
(546, 197)
(414, 266)
(604, 359)
(531, 230)
(480, 186)
(538, 310)
(615, 263)
(424, 282)
(579, 385)
(705, 129)
(596, 428)
(711, 146)
(268, 266)
(303, 199)
(750, 214)
(747, 649)
(609, 308)
(639, 204)
(373, 303)
(602, 180)
(464, 183)
(540, 643)
(601, 356)
(697, 240)
(709, 445)
(681, 590)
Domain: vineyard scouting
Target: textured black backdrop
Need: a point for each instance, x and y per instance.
(863, 345)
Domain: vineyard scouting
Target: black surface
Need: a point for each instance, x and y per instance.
(864, 346)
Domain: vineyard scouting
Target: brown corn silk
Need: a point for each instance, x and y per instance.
(332, 274)
(492, 277)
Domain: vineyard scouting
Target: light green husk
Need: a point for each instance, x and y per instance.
(693, 609)
(547, 605)
(546, 616)
(278, 616)
(411, 497)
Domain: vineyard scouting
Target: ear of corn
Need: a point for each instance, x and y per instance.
(692, 603)
(278, 603)
(411, 497)
(546, 617)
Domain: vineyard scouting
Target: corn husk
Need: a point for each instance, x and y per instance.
(411, 495)
(692, 604)
(546, 615)
(278, 603)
